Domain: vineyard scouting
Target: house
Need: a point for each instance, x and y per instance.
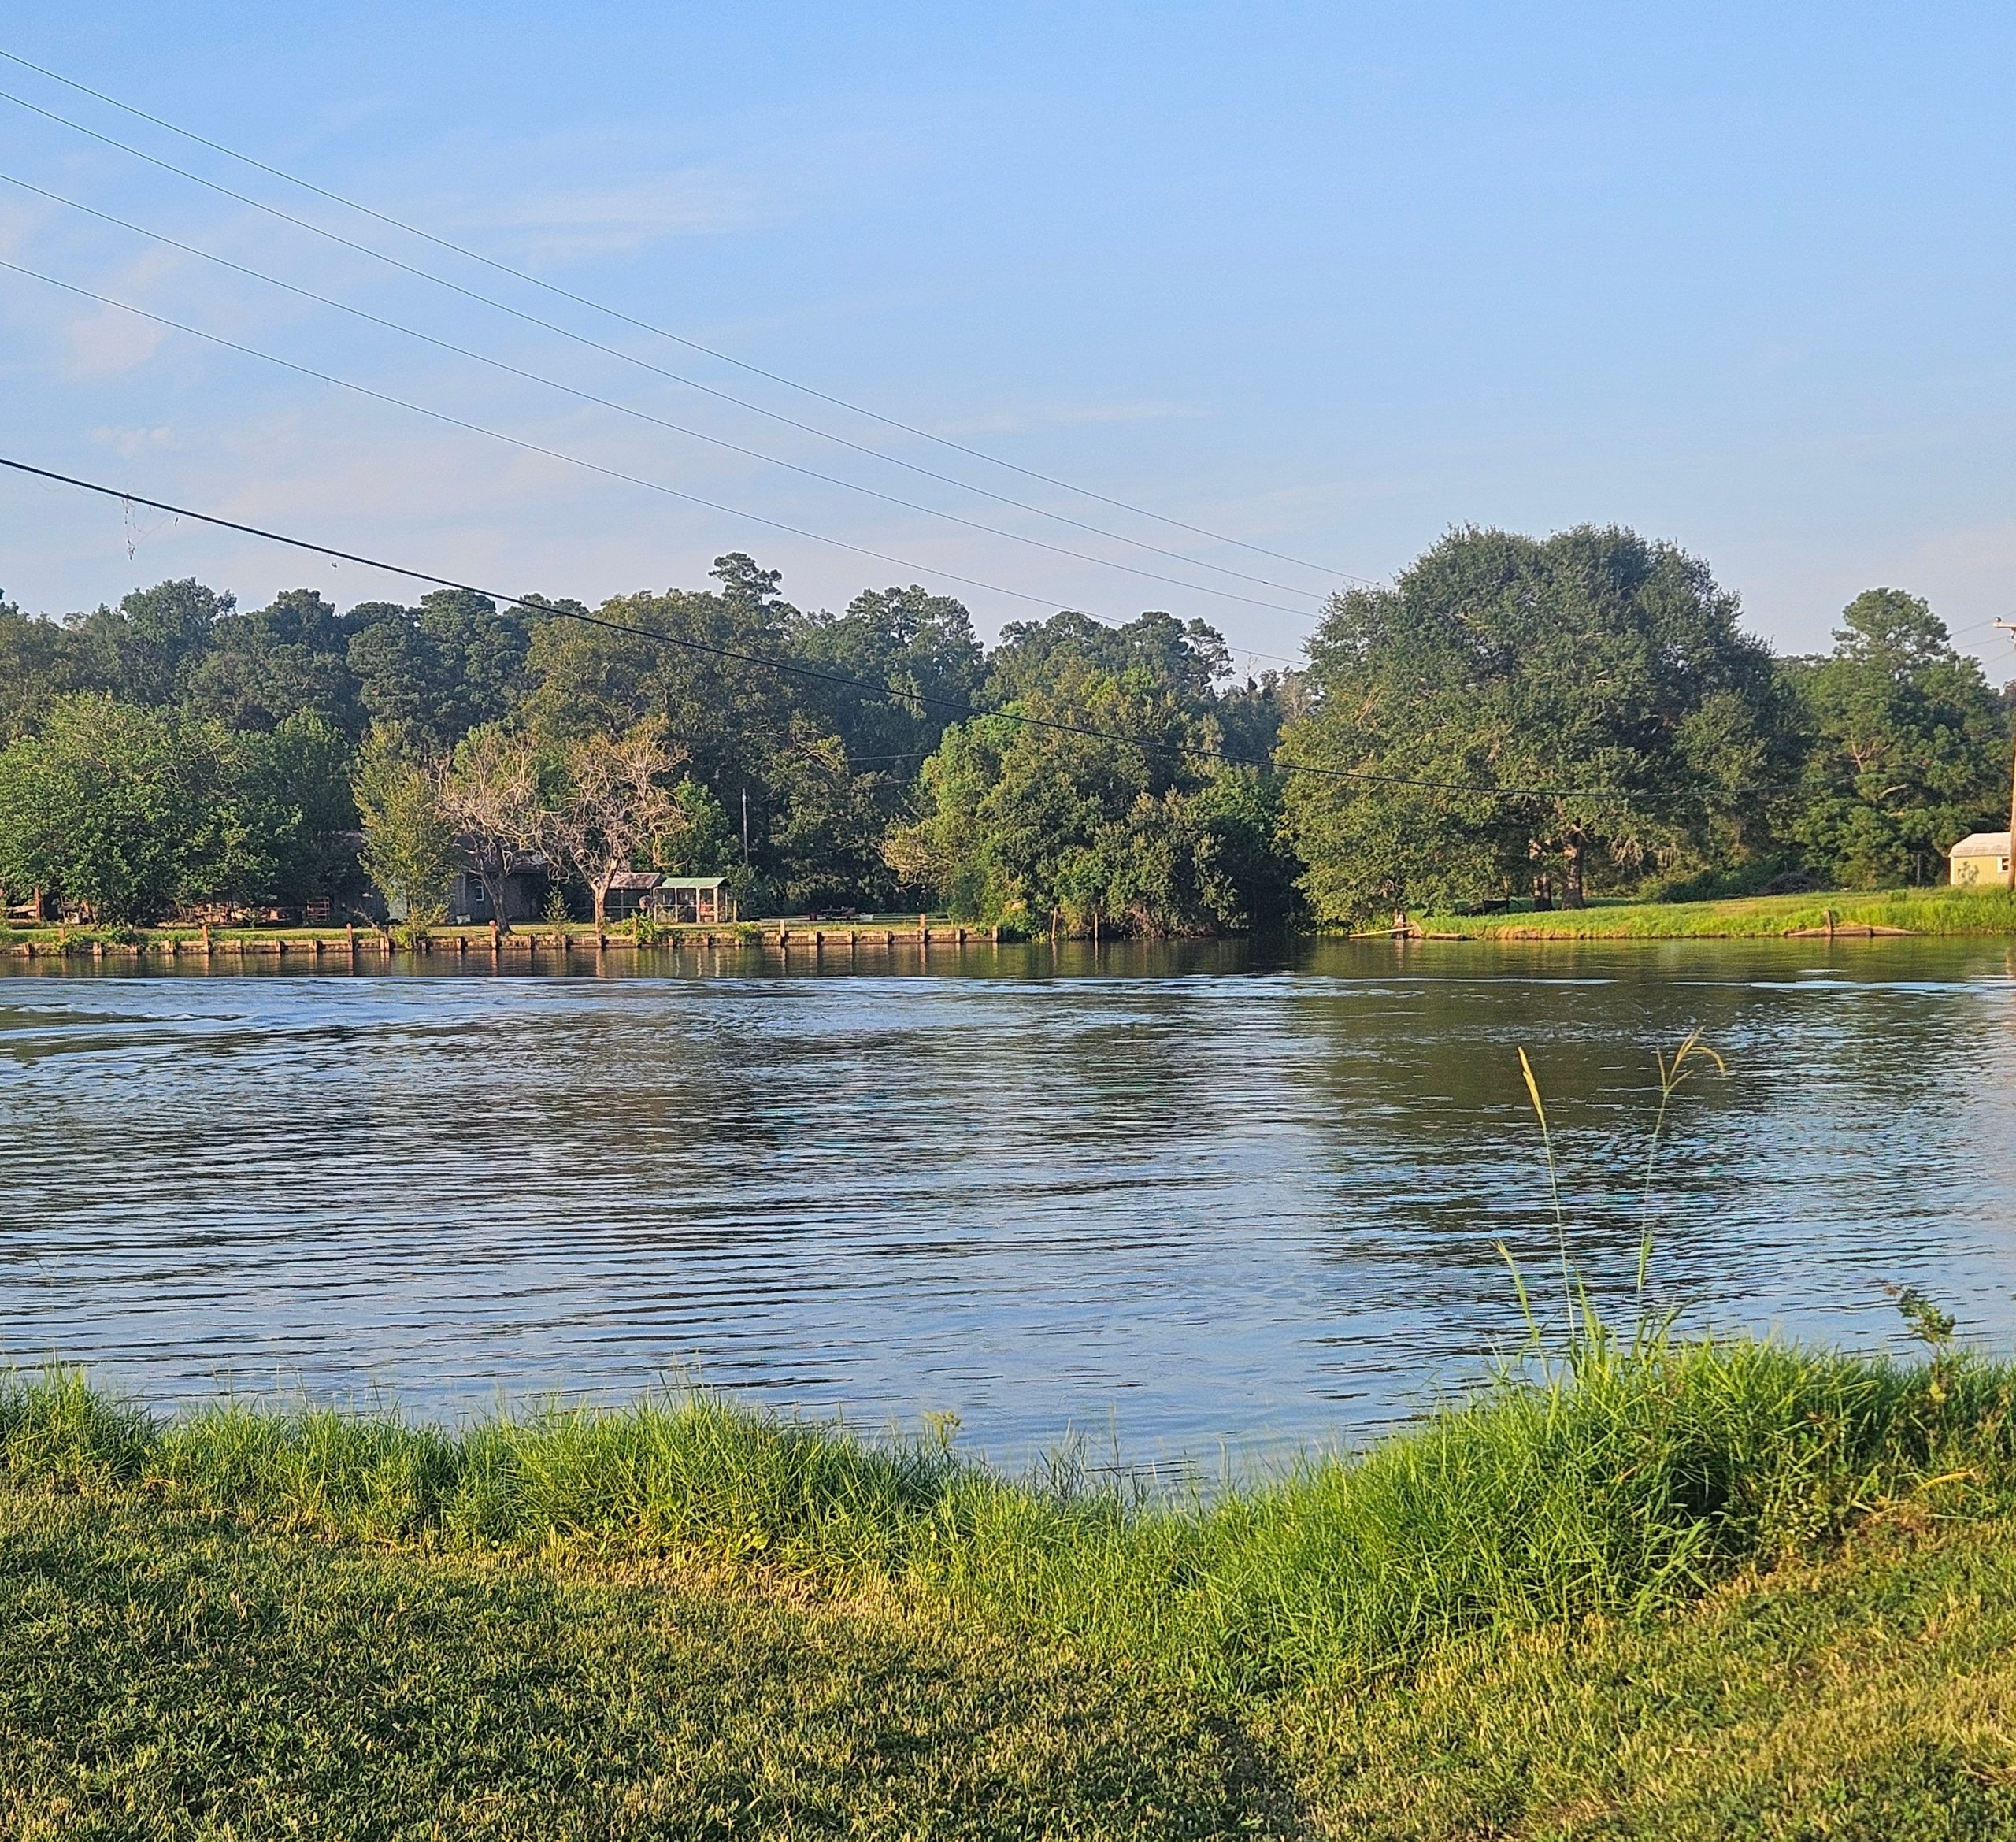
(1981, 859)
(524, 892)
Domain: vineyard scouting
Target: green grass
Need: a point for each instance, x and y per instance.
(1708, 1588)
(1917, 911)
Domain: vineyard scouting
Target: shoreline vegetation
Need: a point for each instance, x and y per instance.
(1945, 911)
(1654, 1587)
(1548, 722)
(1935, 912)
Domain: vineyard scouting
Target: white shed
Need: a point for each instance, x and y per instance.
(1981, 858)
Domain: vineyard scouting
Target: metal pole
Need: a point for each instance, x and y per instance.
(2010, 628)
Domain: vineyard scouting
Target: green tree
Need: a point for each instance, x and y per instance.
(289, 810)
(263, 667)
(35, 669)
(115, 809)
(147, 649)
(436, 672)
(703, 841)
(1516, 712)
(1910, 745)
(1108, 810)
(410, 843)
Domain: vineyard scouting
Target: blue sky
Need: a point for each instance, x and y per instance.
(1331, 278)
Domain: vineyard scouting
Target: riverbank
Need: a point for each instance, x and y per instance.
(1945, 913)
(1700, 1590)
(522, 944)
(1937, 911)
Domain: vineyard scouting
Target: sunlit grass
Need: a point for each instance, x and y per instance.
(1625, 1480)
(1934, 911)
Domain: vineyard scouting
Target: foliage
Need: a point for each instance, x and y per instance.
(116, 809)
(430, 674)
(1909, 747)
(699, 843)
(145, 650)
(291, 810)
(1036, 811)
(1589, 697)
(33, 671)
(410, 843)
(1555, 720)
(263, 667)
(613, 806)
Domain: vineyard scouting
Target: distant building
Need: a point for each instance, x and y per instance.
(629, 892)
(690, 899)
(1982, 858)
(525, 891)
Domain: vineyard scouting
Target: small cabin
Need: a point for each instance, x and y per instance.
(1981, 859)
(629, 891)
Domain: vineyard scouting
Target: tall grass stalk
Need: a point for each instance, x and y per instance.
(1672, 1077)
(1553, 1186)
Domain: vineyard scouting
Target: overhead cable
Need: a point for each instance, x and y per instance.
(530, 448)
(646, 326)
(791, 668)
(627, 409)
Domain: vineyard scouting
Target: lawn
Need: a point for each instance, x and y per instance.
(1916, 911)
(1692, 1590)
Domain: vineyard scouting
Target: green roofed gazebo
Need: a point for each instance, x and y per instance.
(690, 898)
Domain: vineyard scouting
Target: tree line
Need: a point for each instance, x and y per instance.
(1514, 719)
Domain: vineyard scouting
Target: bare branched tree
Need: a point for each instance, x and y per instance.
(616, 804)
(490, 795)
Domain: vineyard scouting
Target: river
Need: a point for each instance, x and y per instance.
(1208, 1203)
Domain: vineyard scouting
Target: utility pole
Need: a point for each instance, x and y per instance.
(2009, 627)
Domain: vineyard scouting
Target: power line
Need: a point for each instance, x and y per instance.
(630, 358)
(531, 447)
(793, 669)
(627, 409)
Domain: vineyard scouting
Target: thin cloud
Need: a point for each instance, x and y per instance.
(569, 226)
(106, 343)
(129, 443)
(1068, 415)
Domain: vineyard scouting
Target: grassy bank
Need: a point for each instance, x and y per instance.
(1701, 1589)
(1916, 911)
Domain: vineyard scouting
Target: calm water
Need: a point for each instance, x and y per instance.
(1188, 1200)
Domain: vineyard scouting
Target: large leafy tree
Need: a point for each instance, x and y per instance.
(118, 810)
(1522, 713)
(35, 668)
(265, 666)
(1093, 796)
(434, 672)
(1909, 746)
(146, 650)
(409, 840)
(289, 811)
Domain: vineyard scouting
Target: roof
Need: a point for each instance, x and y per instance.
(690, 882)
(1982, 844)
(636, 879)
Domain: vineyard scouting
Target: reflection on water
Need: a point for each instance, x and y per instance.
(1184, 1198)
